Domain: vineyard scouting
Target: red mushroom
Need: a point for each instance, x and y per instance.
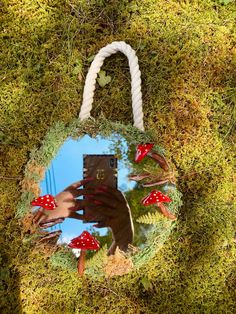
(156, 197)
(45, 201)
(83, 242)
(143, 150)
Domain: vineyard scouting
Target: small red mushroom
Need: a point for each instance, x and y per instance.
(156, 197)
(46, 201)
(143, 150)
(83, 242)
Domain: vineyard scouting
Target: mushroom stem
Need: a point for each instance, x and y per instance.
(160, 160)
(165, 211)
(81, 262)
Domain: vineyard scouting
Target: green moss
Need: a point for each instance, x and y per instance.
(187, 59)
(64, 259)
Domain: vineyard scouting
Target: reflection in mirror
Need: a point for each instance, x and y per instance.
(97, 205)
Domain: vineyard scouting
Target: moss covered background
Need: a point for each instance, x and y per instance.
(187, 56)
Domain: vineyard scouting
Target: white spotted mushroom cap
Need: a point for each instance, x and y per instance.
(84, 242)
(142, 150)
(46, 201)
(155, 197)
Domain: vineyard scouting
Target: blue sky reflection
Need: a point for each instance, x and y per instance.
(67, 167)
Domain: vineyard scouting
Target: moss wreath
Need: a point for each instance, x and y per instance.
(40, 159)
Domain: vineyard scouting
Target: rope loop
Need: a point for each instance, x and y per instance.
(94, 69)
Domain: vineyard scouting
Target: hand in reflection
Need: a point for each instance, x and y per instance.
(103, 204)
(67, 205)
(111, 210)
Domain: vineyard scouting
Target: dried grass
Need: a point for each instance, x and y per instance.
(118, 264)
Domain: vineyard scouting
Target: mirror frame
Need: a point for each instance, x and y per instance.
(41, 158)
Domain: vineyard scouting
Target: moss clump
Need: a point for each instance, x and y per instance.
(64, 259)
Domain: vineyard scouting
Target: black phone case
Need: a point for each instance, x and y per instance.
(103, 168)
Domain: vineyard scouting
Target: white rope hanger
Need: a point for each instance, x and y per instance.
(94, 69)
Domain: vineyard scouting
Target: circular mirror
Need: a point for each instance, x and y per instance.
(129, 201)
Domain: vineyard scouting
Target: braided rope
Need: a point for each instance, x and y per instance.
(95, 67)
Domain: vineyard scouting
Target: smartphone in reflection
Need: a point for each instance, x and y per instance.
(103, 168)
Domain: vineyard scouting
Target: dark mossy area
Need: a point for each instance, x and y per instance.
(187, 57)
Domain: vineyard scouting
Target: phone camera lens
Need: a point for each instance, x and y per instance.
(112, 162)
